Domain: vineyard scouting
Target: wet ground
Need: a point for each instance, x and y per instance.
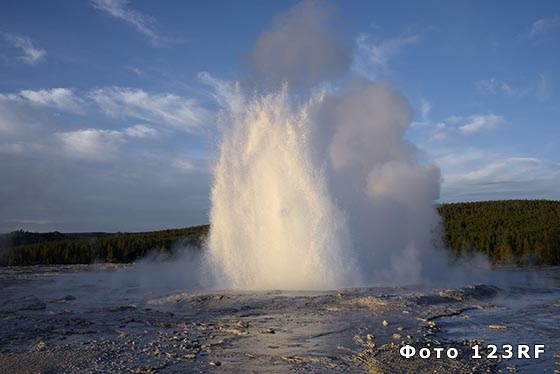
(122, 319)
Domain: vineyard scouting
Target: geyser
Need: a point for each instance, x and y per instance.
(319, 190)
(321, 194)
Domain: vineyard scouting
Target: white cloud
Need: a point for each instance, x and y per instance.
(453, 126)
(101, 144)
(224, 92)
(31, 54)
(537, 87)
(544, 25)
(425, 108)
(454, 119)
(424, 123)
(480, 122)
(508, 89)
(60, 98)
(119, 9)
(441, 132)
(163, 109)
(189, 164)
(183, 164)
(500, 170)
(480, 175)
(166, 109)
(141, 132)
(375, 56)
(92, 144)
(135, 70)
(494, 86)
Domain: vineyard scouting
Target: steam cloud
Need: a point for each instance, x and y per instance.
(300, 48)
(323, 192)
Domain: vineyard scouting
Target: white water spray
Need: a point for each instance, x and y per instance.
(274, 224)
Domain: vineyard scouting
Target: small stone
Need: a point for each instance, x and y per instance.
(267, 331)
(385, 323)
(396, 336)
(40, 346)
(497, 327)
(215, 363)
(370, 337)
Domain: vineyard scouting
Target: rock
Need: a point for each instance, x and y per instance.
(396, 336)
(497, 327)
(215, 363)
(385, 323)
(267, 331)
(40, 346)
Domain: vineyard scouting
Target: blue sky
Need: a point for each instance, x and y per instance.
(107, 120)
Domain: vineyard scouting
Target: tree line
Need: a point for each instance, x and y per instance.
(28, 248)
(523, 232)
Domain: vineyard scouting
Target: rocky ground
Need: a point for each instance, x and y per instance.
(57, 320)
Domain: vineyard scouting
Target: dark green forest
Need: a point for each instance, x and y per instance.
(28, 248)
(521, 232)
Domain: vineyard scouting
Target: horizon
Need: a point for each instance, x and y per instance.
(108, 108)
(437, 204)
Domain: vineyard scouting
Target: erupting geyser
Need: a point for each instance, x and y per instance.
(321, 192)
(274, 224)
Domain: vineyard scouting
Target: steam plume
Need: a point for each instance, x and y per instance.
(300, 48)
(321, 192)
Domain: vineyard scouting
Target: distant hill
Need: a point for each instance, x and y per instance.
(522, 232)
(29, 248)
